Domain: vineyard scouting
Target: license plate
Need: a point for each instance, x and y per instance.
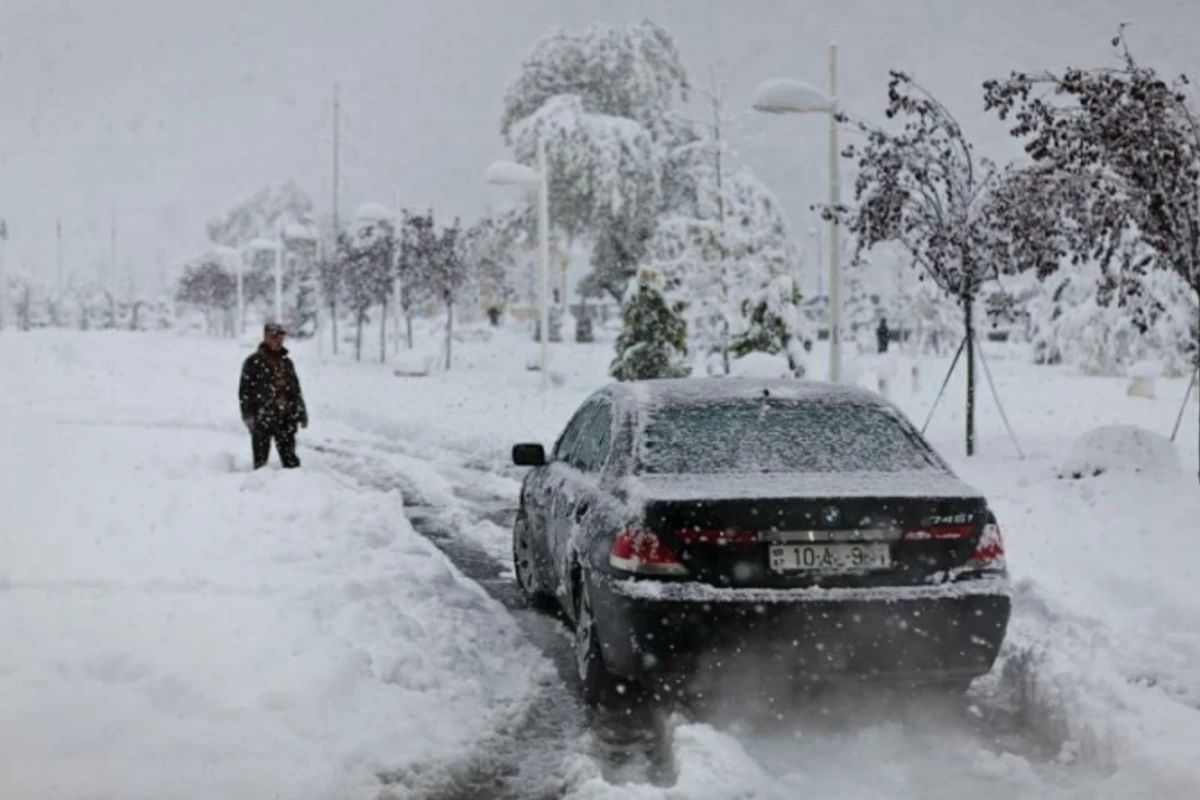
(830, 557)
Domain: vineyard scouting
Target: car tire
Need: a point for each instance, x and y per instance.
(598, 686)
(529, 581)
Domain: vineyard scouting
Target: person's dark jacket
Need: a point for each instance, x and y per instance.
(269, 391)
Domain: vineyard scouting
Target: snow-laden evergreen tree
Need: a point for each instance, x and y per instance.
(633, 71)
(653, 339)
(771, 323)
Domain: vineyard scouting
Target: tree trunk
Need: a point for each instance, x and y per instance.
(968, 312)
(358, 318)
(383, 309)
(408, 329)
(333, 322)
(449, 329)
(1196, 373)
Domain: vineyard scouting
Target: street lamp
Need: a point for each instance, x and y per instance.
(783, 96)
(508, 173)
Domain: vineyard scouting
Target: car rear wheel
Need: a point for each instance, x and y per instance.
(599, 686)
(530, 583)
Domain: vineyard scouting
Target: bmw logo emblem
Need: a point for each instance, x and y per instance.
(831, 515)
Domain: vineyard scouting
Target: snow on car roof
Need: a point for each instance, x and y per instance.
(694, 391)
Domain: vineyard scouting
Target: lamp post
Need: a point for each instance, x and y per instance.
(784, 96)
(508, 173)
(279, 256)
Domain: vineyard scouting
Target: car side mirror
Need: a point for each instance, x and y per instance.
(529, 455)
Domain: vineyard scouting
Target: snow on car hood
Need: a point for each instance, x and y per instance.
(761, 486)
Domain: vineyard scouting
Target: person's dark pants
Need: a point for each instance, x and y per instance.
(284, 436)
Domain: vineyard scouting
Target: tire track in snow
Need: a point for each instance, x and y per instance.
(632, 745)
(526, 760)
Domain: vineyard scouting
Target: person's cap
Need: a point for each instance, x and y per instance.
(273, 327)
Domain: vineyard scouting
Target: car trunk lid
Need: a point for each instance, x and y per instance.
(783, 530)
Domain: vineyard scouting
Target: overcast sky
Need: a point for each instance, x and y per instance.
(167, 111)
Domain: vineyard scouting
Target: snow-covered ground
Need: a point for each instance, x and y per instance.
(172, 625)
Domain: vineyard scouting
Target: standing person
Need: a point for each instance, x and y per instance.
(271, 401)
(882, 335)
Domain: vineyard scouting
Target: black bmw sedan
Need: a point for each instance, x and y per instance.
(801, 525)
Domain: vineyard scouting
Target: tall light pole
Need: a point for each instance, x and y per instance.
(784, 96)
(58, 252)
(397, 287)
(508, 173)
(280, 252)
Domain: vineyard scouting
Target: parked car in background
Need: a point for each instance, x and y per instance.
(787, 525)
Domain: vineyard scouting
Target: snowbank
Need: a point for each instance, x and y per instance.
(1121, 448)
(174, 625)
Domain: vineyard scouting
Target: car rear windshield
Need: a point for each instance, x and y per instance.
(772, 436)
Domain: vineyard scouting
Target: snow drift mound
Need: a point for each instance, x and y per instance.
(1120, 448)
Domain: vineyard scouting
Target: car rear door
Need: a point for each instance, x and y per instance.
(580, 489)
(545, 495)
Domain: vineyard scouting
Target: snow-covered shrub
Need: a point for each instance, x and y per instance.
(1072, 321)
(1120, 448)
(771, 323)
(1173, 331)
(761, 365)
(653, 338)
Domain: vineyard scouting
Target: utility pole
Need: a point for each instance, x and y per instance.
(3, 275)
(112, 256)
(397, 288)
(337, 112)
(58, 259)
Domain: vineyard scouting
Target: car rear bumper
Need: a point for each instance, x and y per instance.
(926, 633)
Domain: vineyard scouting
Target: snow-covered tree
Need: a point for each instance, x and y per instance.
(722, 236)
(924, 188)
(1172, 333)
(259, 214)
(772, 324)
(489, 255)
(1092, 128)
(603, 182)
(418, 249)
(367, 257)
(653, 338)
(447, 273)
(208, 285)
(633, 71)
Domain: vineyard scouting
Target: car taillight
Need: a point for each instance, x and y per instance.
(964, 531)
(696, 535)
(641, 552)
(989, 551)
